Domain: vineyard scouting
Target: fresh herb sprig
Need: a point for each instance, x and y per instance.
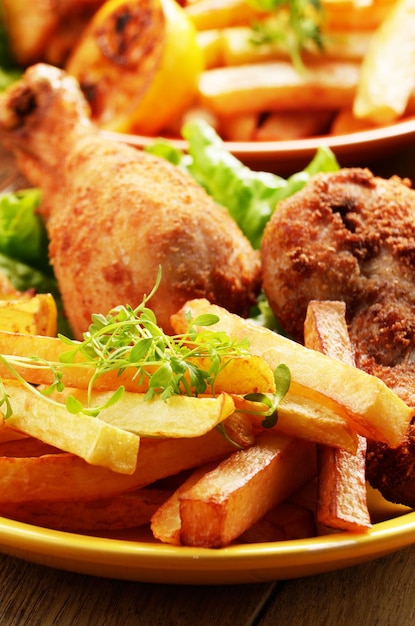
(294, 25)
(130, 338)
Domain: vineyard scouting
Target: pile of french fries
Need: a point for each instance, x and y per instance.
(363, 78)
(200, 471)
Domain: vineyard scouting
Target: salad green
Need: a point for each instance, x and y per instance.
(250, 197)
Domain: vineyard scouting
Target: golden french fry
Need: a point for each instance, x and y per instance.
(241, 489)
(88, 437)
(166, 522)
(239, 127)
(29, 314)
(345, 123)
(287, 125)
(279, 86)
(286, 522)
(387, 78)
(127, 510)
(25, 446)
(63, 476)
(351, 15)
(305, 418)
(372, 409)
(208, 14)
(35, 354)
(235, 46)
(8, 434)
(178, 416)
(342, 502)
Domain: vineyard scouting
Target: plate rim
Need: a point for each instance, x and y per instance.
(404, 128)
(239, 563)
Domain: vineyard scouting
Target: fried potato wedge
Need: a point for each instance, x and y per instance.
(90, 438)
(240, 490)
(35, 356)
(127, 510)
(342, 501)
(372, 409)
(63, 476)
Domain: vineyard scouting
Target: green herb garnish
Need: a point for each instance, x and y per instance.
(131, 338)
(294, 25)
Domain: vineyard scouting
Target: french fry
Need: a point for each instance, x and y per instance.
(63, 476)
(287, 125)
(209, 14)
(90, 438)
(166, 522)
(127, 510)
(306, 419)
(286, 522)
(35, 353)
(32, 314)
(234, 46)
(387, 78)
(279, 86)
(239, 127)
(9, 434)
(342, 501)
(345, 123)
(25, 447)
(178, 416)
(241, 489)
(351, 15)
(372, 409)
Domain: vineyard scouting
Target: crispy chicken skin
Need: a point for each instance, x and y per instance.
(350, 236)
(114, 214)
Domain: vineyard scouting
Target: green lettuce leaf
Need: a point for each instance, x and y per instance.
(250, 197)
(22, 232)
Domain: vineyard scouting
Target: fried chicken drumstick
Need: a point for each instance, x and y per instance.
(114, 214)
(350, 236)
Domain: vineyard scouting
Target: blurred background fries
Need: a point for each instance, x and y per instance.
(228, 63)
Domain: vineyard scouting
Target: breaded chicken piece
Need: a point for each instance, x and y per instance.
(114, 214)
(350, 236)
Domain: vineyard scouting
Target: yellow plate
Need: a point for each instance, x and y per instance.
(286, 157)
(134, 556)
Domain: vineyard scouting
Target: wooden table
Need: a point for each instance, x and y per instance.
(375, 593)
